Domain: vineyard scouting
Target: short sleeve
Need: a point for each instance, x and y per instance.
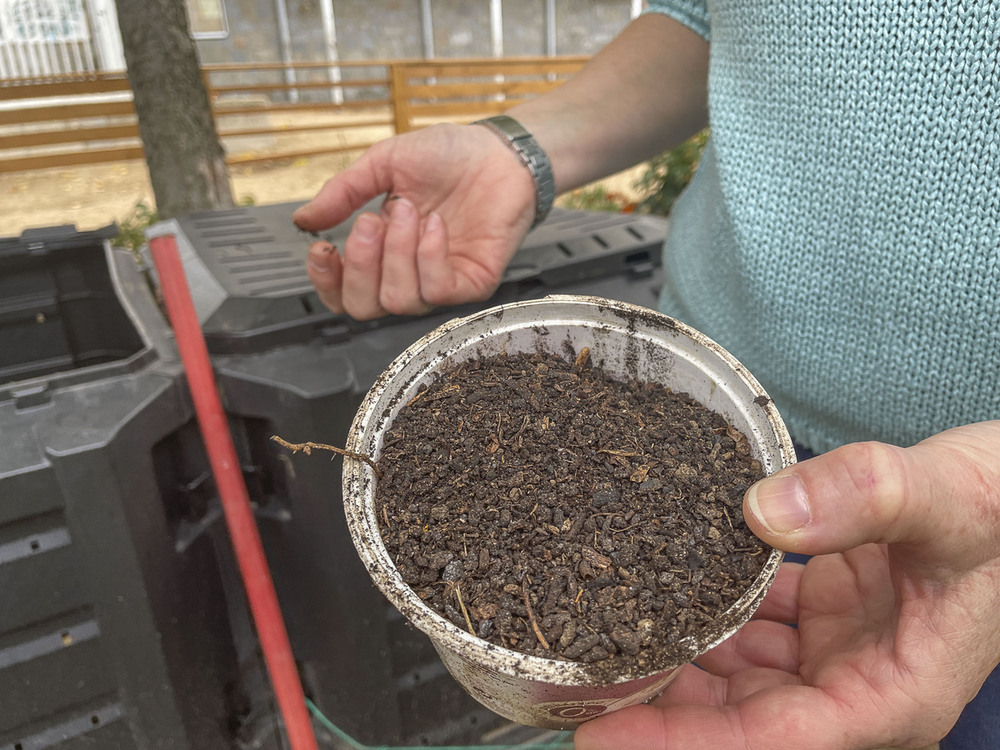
(691, 13)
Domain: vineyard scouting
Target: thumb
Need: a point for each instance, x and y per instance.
(347, 191)
(924, 496)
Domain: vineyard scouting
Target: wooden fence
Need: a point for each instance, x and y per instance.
(89, 119)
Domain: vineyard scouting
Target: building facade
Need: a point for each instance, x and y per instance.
(42, 38)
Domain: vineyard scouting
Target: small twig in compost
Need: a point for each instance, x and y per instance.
(531, 616)
(461, 606)
(309, 447)
(727, 517)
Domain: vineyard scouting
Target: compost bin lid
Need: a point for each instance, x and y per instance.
(40, 240)
(247, 269)
(61, 308)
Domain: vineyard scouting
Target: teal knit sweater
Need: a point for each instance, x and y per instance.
(842, 234)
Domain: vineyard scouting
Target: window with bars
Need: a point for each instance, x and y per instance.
(207, 19)
(43, 20)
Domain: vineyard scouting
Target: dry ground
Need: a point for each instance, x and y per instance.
(94, 196)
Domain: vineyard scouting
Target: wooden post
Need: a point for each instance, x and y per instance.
(399, 97)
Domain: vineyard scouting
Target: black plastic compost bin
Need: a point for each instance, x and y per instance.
(287, 367)
(115, 628)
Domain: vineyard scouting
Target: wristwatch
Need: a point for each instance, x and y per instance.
(532, 156)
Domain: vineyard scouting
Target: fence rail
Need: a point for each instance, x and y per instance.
(78, 119)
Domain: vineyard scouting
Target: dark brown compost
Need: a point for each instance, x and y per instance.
(548, 508)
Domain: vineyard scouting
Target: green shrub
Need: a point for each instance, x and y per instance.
(596, 198)
(132, 229)
(668, 174)
(663, 180)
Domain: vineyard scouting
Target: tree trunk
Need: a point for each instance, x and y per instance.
(186, 162)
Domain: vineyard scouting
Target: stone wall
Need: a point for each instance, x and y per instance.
(584, 26)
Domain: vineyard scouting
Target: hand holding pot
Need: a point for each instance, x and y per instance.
(460, 202)
(896, 615)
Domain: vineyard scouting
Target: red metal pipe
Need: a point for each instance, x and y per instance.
(233, 492)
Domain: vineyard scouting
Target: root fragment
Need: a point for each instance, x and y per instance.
(309, 447)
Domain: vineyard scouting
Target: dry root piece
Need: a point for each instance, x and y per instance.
(308, 448)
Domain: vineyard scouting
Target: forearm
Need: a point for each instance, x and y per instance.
(643, 93)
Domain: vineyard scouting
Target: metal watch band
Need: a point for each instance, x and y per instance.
(532, 156)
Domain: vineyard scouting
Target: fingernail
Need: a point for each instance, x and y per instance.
(403, 212)
(320, 252)
(310, 232)
(366, 227)
(780, 504)
(433, 223)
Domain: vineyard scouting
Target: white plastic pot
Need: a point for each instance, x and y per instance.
(624, 340)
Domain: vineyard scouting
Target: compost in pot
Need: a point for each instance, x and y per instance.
(548, 508)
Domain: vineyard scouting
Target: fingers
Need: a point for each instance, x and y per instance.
(346, 192)
(439, 284)
(758, 644)
(326, 272)
(788, 717)
(351, 284)
(362, 274)
(695, 686)
(400, 292)
(941, 495)
(830, 503)
(782, 601)
(394, 262)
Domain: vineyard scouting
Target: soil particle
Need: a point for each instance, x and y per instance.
(555, 511)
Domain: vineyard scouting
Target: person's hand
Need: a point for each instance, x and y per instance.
(459, 204)
(897, 614)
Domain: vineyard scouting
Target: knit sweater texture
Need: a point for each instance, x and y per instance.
(842, 234)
